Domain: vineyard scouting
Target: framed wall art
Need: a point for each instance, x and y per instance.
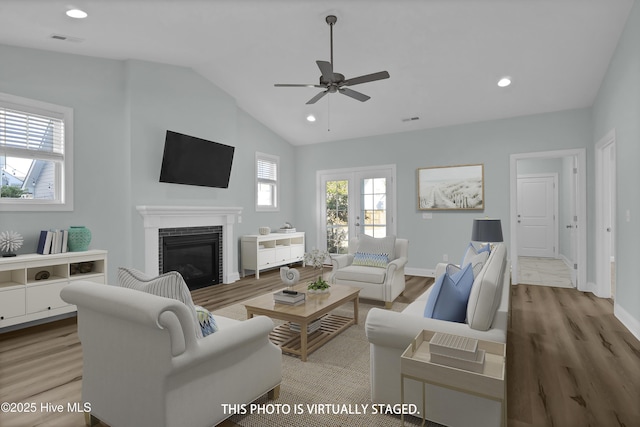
(451, 187)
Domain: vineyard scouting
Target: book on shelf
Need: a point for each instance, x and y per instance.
(311, 327)
(55, 242)
(286, 230)
(286, 298)
(65, 240)
(52, 242)
(43, 243)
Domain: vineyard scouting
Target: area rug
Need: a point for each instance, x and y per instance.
(330, 389)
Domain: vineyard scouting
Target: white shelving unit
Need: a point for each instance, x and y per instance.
(30, 284)
(260, 252)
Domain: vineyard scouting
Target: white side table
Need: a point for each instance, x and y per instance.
(415, 363)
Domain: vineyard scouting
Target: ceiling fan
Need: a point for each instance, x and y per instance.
(335, 82)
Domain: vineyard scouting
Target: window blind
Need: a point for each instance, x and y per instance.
(26, 134)
(267, 171)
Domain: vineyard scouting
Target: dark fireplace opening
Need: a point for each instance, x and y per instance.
(196, 257)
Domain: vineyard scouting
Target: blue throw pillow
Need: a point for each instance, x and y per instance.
(207, 322)
(450, 295)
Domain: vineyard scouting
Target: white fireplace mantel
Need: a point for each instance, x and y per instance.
(157, 217)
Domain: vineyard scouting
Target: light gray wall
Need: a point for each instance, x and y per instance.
(490, 143)
(618, 107)
(122, 110)
(94, 88)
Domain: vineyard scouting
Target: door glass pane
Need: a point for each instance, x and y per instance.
(337, 202)
(374, 206)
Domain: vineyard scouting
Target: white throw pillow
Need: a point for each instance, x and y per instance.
(476, 256)
(380, 245)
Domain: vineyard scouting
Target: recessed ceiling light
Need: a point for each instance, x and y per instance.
(504, 82)
(311, 118)
(77, 13)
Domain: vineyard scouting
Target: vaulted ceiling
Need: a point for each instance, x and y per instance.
(444, 57)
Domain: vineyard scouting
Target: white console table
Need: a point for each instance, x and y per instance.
(263, 251)
(30, 284)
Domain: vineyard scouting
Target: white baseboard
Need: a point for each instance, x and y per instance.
(631, 323)
(422, 272)
(594, 289)
(566, 261)
(234, 276)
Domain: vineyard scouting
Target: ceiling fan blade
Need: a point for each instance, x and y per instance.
(367, 78)
(327, 70)
(295, 85)
(353, 94)
(317, 97)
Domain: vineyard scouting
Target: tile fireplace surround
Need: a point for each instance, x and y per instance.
(157, 217)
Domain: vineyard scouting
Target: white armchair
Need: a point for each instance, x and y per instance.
(380, 283)
(144, 366)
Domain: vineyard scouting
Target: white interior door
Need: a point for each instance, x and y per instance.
(536, 216)
(353, 202)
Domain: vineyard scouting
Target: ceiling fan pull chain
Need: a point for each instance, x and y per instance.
(328, 115)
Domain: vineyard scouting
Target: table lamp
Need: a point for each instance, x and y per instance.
(486, 230)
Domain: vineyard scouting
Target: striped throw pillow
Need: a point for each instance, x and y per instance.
(168, 285)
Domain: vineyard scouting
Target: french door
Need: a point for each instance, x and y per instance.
(354, 202)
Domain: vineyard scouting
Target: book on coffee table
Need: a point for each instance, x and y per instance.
(286, 298)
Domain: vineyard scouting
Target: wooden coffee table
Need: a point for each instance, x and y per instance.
(315, 306)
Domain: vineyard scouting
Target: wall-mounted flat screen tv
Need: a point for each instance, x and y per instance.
(195, 161)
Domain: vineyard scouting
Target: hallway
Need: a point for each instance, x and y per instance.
(544, 271)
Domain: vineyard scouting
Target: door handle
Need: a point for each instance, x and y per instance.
(569, 226)
(609, 229)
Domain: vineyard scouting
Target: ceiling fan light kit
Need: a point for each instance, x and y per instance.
(333, 82)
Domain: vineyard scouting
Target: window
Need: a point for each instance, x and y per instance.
(267, 182)
(35, 155)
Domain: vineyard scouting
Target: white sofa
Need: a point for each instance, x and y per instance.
(144, 366)
(376, 283)
(389, 333)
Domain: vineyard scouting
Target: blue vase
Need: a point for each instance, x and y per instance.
(79, 238)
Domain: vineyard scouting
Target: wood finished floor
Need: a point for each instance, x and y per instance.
(570, 361)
